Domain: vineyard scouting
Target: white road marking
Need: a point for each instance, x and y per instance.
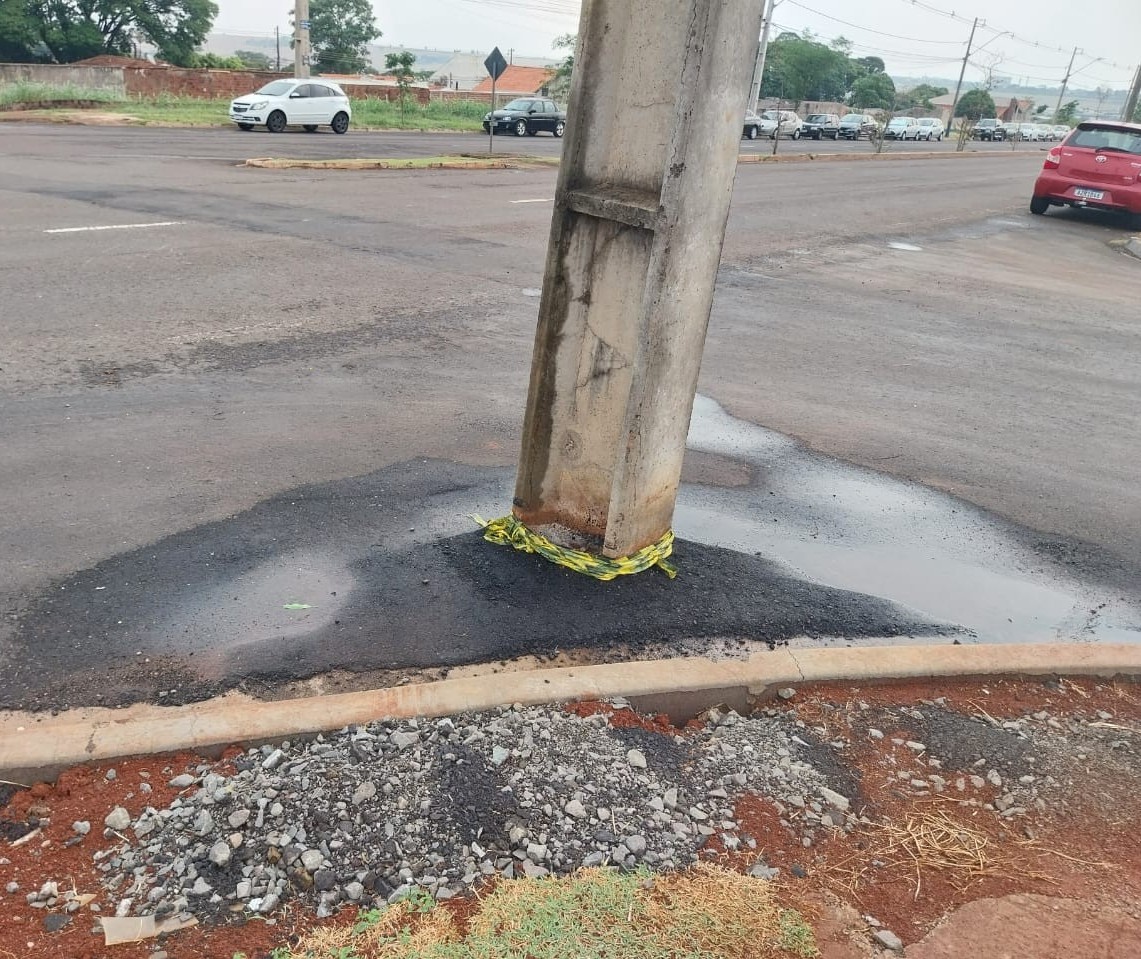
(116, 226)
(550, 199)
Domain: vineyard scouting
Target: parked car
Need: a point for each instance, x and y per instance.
(930, 128)
(1062, 131)
(990, 128)
(820, 125)
(901, 128)
(1098, 167)
(856, 125)
(527, 116)
(752, 125)
(305, 103)
(783, 123)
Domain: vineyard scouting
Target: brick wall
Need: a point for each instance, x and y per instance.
(106, 79)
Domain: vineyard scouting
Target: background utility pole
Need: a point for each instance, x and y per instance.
(1134, 95)
(759, 64)
(1069, 69)
(277, 43)
(301, 39)
(963, 71)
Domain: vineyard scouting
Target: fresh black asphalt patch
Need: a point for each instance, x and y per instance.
(337, 576)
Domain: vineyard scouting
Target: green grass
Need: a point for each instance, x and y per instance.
(705, 913)
(14, 93)
(463, 115)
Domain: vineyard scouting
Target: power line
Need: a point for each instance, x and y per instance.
(856, 26)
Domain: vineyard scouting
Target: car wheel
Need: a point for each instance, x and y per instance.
(245, 127)
(340, 123)
(275, 122)
(796, 134)
(520, 128)
(559, 128)
(751, 133)
(1039, 205)
(309, 127)
(835, 136)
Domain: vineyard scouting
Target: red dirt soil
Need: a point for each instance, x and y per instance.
(1087, 852)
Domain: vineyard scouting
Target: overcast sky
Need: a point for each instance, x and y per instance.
(921, 41)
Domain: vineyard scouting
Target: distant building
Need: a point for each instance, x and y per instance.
(465, 71)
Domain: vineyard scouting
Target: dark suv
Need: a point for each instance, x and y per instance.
(856, 125)
(991, 129)
(820, 125)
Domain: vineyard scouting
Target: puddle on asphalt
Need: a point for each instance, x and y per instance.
(293, 594)
(849, 527)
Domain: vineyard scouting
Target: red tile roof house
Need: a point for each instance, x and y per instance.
(518, 81)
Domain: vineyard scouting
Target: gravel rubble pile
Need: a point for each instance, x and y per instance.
(371, 813)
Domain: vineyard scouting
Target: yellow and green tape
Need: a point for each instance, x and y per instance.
(508, 531)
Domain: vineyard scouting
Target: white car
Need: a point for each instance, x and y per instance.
(902, 128)
(300, 102)
(930, 128)
(788, 123)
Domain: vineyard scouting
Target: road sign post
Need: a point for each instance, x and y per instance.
(495, 65)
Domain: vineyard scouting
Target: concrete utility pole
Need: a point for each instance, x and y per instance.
(963, 72)
(301, 39)
(1134, 95)
(762, 51)
(639, 220)
(1065, 81)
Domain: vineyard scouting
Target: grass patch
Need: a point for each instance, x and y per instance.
(703, 913)
(25, 92)
(460, 115)
(463, 161)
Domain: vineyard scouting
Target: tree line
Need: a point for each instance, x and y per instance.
(65, 31)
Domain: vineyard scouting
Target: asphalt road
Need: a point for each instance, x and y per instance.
(229, 143)
(174, 399)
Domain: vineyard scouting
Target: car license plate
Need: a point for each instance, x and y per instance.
(1089, 194)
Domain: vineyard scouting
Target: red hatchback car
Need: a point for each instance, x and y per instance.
(1098, 166)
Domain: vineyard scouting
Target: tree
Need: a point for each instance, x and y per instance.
(974, 105)
(339, 34)
(214, 61)
(252, 60)
(800, 68)
(63, 31)
(870, 64)
(400, 65)
(921, 96)
(1068, 113)
(19, 40)
(876, 91)
(560, 82)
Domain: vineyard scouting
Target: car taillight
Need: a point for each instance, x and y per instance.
(1053, 159)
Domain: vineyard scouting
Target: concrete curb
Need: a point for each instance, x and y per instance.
(34, 747)
(458, 162)
(359, 164)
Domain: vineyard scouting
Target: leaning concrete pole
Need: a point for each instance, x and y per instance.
(655, 115)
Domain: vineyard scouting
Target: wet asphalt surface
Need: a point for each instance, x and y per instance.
(297, 394)
(205, 610)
